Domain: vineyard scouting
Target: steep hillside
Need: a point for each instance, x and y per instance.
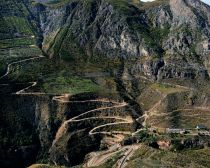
(18, 32)
(15, 20)
(93, 83)
(122, 29)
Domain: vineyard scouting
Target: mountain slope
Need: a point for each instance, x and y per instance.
(120, 29)
(111, 68)
(15, 20)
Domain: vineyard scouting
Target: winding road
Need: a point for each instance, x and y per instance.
(98, 158)
(121, 163)
(151, 111)
(145, 116)
(80, 118)
(95, 159)
(17, 62)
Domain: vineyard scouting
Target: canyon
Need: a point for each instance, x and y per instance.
(96, 83)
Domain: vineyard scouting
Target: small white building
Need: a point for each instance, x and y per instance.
(175, 130)
(200, 127)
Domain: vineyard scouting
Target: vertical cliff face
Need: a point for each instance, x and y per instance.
(121, 29)
(28, 127)
(33, 128)
(94, 23)
(19, 137)
(111, 29)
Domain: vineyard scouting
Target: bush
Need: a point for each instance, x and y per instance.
(143, 136)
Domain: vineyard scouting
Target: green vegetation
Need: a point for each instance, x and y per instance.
(16, 128)
(123, 6)
(17, 42)
(56, 43)
(56, 3)
(20, 24)
(20, 138)
(16, 54)
(150, 157)
(148, 5)
(146, 33)
(58, 83)
(160, 33)
(111, 162)
(33, 70)
(64, 47)
(14, 20)
(144, 136)
(167, 89)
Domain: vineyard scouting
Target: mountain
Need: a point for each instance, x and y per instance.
(104, 83)
(165, 37)
(124, 29)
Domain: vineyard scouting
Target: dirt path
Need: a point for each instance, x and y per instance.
(145, 116)
(169, 84)
(32, 85)
(65, 99)
(123, 121)
(125, 152)
(120, 120)
(178, 86)
(119, 105)
(127, 155)
(99, 158)
(207, 109)
(17, 62)
(151, 111)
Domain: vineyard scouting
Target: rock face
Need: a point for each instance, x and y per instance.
(29, 126)
(121, 29)
(158, 41)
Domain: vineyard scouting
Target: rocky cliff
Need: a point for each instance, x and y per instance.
(165, 39)
(120, 44)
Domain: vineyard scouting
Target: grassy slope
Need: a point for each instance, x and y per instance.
(61, 83)
(65, 83)
(19, 43)
(16, 32)
(13, 19)
(148, 157)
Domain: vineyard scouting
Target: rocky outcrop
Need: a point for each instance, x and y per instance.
(159, 42)
(34, 127)
(123, 30)
(28, 124)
